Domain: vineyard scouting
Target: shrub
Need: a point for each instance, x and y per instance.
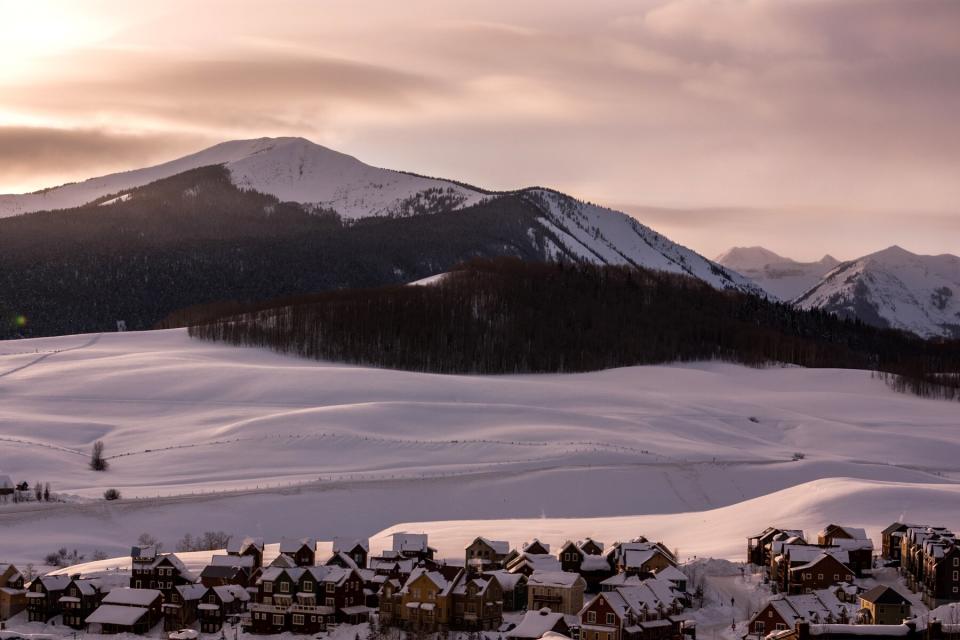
(111, 494)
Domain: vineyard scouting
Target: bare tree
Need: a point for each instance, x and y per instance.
(97, 461)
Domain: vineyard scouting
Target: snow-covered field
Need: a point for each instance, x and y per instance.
(209, 437)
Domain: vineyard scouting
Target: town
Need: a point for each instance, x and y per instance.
(823, 588)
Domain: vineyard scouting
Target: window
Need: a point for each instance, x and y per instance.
(284, 587)
(956, 562)
(308, 586)
(331, 588)
(268, 587)
(278, 620)
(297, 618)
(781, 627)
(819, 576)
(591, 617)
(956, 576)
(267, 600)
(329, 602)
(610, 618)
(836, 577)
(760, 626)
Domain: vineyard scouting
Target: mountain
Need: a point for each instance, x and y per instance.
(894, 288)
(781, 277)
(257, 219)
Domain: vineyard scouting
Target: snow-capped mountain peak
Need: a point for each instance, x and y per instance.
(781, 277)
(894, 288)
(292, 169)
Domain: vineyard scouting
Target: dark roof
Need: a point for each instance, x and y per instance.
(896, 526)
(215, 571)
(883, 594)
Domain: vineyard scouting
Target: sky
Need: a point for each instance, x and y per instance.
(806, 126)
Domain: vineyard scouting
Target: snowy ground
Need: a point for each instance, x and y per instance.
(210, 437)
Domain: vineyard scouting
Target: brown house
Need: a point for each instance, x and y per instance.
(514, 587)
(356, 549)
(13, 598)
(587, 559)
(891, 540)
(306, 599)
(425, 602)
(248, 548)
(180, 607)
(162, 571)
(640, 557)
(559, 591)
(302, 551)
(127, 611)
(821, 572)
(883, 605)
(220, 603)
(486, 555)
(477, 603)
(43, 597)
(230, 569)
(784, 611)
(79, 600)
(854, 541)
(760, 546)
(647, 612)
(941, 573)
(536, 547)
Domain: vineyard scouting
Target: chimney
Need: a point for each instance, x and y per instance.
(803, 629)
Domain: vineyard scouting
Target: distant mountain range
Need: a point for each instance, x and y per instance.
(256, 219)
(251, 220)
(890, 288)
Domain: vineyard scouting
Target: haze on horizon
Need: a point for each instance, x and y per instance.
(805, 126)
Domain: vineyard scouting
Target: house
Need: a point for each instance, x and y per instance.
(236, 569)
(527, 562)
(43, 597)
(477, 603)
(560, 591)
(820, 572)
(484, 554)
(162, 571)
(673, 575)
(180, 607)
(645, 612)
(784, 611)
(854, 541)
(883, 605)
(306, 599)
(424, 603)
(127, 610)
(759, 547)
(941, 573)
(412, 545)
(303, 551)
(514, 587)
(13, 594)
(247, 547)
(220, 603)
(891, 540)
(535, 547)
(640, 557)
(789, 556)
(538, 624)
(79, 600)
(356, 549)
(587, 559)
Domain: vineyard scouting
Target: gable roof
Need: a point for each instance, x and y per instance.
(128, 596)
(342, 544)
(882, 594)
(293, 545)
(242, 545)
(117, 614)
(535, 624)
(410, 542)
(500, 547)
(563, 579)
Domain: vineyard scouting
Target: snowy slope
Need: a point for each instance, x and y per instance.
(605, 236)
(297, 170)
(292, 169)
(781, 277)
(213, 437)
(894, 288)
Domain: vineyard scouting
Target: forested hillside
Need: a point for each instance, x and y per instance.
(505, 316)
(196, 238)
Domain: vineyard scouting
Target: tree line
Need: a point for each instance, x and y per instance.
(496, 316)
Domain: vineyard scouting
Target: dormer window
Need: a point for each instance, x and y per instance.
(284, 587)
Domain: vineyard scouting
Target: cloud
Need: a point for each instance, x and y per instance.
(29, 154)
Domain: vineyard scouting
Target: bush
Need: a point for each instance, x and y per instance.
(111, 494)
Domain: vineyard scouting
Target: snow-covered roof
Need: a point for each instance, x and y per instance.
(128, 596)
(348, 544)
(122, 615)
(536, 561)
(242, 545)
(872, 630)
(817, 560)
(564, 579)
(535, 624)
(191, 592)
(57, 582)
(854, 533)
(594, 563)
(292, 545)
(508, 581)
(671, 573)
(500, 547)
(220, 560)
(410, 542)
